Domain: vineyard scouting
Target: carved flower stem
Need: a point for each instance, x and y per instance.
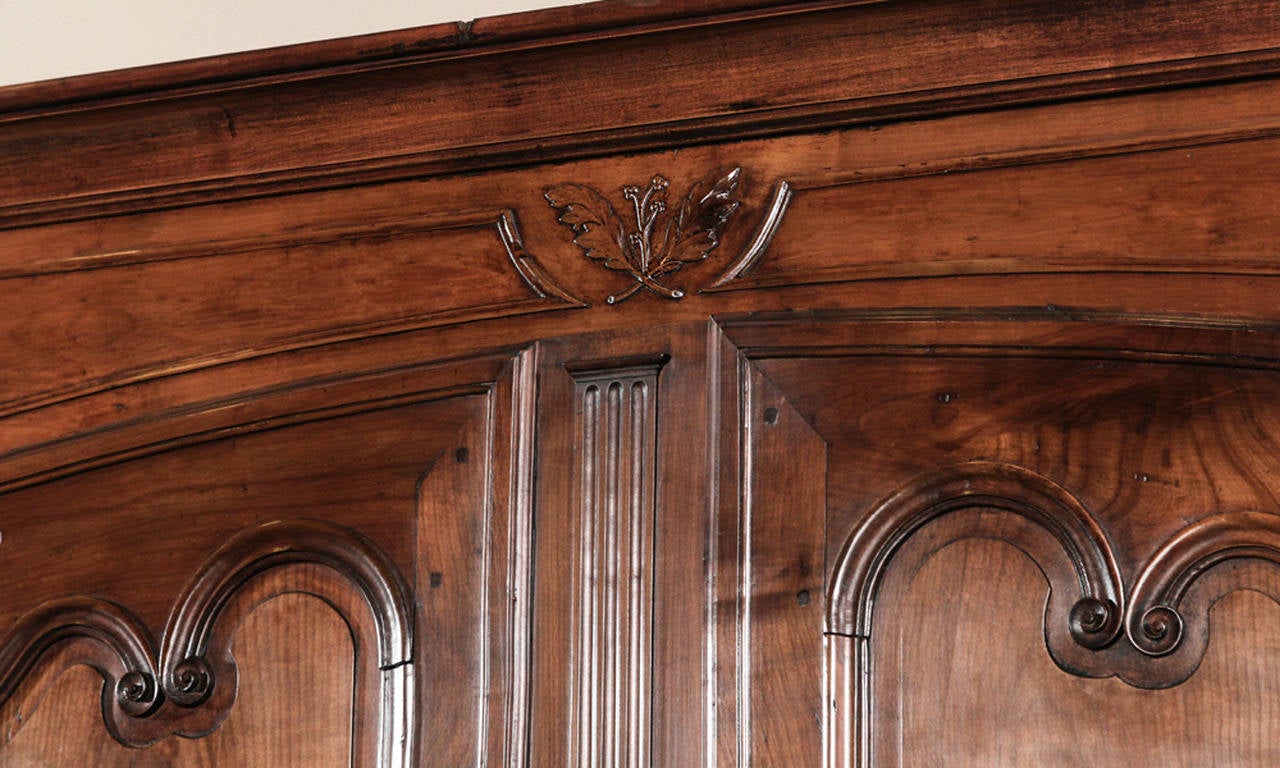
(643, 281)
(687, 234)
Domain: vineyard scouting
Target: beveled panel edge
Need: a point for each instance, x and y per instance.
(487, 481)
(512, 710)
(764, 482)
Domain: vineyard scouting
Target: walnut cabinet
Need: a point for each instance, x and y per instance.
(710, 383)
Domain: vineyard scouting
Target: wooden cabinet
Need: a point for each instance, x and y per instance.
(704, 384)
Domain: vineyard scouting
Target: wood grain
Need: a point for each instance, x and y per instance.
(1132, 212)
(949, 702)
(236, 141)
(474, 609)
(779, 582)
(880, 319)
(926, 196)
(312, 663)
(212, 303)
(1141, 441)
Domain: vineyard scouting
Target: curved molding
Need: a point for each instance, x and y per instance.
(495, 244)
(437, 143)
(195, 665)
(755, 249)
(1095, 616)
(186, 673)
(1154, 622)
(533, 273)
(122, 651)
(242, 398)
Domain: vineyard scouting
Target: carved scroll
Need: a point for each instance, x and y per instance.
(191, 661)
(1094, 617)
(264, 547)
(190, 685)
(1085, 604)
(613, 573)
(1155, 623)
(116, 644)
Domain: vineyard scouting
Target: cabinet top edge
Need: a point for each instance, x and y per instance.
(490, 34)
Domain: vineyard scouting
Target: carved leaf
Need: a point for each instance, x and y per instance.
(694, 231)
(661, 239)
(598, 230)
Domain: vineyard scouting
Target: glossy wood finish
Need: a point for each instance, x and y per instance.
(1074, 472)
(707, 384)
(313, 662)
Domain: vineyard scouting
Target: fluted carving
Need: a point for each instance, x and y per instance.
(613, 600)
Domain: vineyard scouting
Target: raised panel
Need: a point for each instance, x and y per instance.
(1128, 472)
(965, 679)
(371, 493)
(474, 580)
(295, 657)
(360, 471)
(779, 581)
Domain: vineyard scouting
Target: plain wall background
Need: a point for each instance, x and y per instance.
(43, 39)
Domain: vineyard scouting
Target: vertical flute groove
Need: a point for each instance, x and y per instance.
(613, 608)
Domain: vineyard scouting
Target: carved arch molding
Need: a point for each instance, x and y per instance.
(185, 684)
(1153, 634)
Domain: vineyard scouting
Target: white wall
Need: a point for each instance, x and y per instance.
(42, 39)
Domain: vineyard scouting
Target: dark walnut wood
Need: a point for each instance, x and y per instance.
(719, 383)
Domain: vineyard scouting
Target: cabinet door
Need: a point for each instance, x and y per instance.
(322, 573)
(980, 542)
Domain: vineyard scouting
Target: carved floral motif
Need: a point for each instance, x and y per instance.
(656, 239)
